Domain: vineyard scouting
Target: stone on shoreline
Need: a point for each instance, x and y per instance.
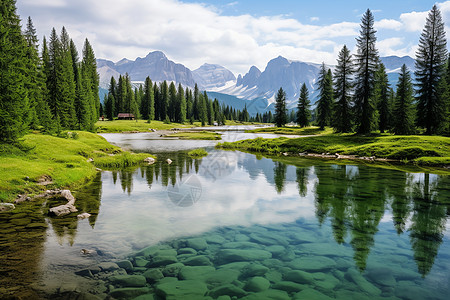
(6, 206)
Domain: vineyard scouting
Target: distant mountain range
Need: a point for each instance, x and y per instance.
(256, 89)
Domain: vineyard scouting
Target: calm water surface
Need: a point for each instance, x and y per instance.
(234, 224)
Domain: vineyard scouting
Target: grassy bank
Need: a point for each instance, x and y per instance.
(196, 135)
(421, 150)
(139, 126)
(294, 130)
(62, 162)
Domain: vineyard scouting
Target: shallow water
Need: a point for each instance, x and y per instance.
(240, 226)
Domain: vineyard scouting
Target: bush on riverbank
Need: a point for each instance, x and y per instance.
(59, 162)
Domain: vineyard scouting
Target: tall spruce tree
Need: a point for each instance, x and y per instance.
(343, 85)
(32, 83)
(431, 57)
(13, 93)
(91, 77)
(325, 102)
(148, 101)
(303, 113)
(182, 105)
(382, 98)
(403, 122)
(280, 118)
(366, 65)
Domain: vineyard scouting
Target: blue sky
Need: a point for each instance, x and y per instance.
(235, 34)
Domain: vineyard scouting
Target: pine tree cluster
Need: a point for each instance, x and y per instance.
(360, 99)
(166, 102)
(50, 92)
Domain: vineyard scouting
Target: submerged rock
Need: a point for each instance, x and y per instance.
(299, 277)
(172, 270)
(257, 284)
(195, 273)
(234, 255)
(312, 294)
(186, 289)
(128, 293)
(128, 280)
(362, 283)
(153, 275)
(197, 243)
(125, 264)
(199, 260)
(268, 294)
(229, 290)
(312, 263)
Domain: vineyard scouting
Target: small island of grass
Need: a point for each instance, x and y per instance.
(198, 153)
(196, 135)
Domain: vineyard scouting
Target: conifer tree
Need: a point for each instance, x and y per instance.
(303, 113)
(33, 85)
(195, 106)
(325, 102)
(172, 108)
(431, 57)
(109, 107)
(203, 113)
(211, 116)
(403, 122)
(148, 101)
(164, 104)
(343, 84)
(182, 105)
(89, 66)
(280, 108)
(13, 93)
(366, 65)
(382, 98)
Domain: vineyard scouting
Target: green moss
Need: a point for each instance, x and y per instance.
(196, 135)
(64, 160)
(197, 153)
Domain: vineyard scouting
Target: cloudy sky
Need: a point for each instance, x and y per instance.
(235, 34)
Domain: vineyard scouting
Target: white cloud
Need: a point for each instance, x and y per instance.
(388, 24)
(314, 19)
(414, 21)
(194, 33)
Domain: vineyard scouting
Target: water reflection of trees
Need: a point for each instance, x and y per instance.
(160, 171)
(355, 199)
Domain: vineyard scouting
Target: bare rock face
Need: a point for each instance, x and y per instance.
(65, 209)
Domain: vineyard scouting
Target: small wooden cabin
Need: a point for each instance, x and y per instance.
(125, 116)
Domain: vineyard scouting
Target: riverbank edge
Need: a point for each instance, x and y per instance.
(335, 152)
(68, 162)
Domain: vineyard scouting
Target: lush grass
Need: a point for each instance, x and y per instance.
(196, 135)
(65, 160)
(140, 126)
(197, 153)
(294, 130)
(428, 150)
